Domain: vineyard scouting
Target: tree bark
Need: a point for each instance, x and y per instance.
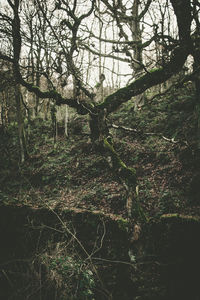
(98, 127)
(66, 120)
(20, 121)
(196, 69)
(137, 66)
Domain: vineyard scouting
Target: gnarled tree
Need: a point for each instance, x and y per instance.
(70, 32)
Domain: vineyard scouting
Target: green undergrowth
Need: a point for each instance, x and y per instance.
(162, 148)
(71, 177)
(71, 173)
(68, 173)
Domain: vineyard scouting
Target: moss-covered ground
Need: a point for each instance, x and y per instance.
(71, 177)
(72, 173)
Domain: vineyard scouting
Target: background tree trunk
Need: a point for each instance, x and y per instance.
(66, 120)
(20, 121)
(136, 36)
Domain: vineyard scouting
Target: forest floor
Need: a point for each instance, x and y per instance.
(72, 174)
(158, 259)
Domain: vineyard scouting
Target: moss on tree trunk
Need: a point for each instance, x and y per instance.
(126, 175)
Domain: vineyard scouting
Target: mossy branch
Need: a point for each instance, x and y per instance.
(182, 10)
(126, 173)
(179, 217)
(153, 77)
(82, 108)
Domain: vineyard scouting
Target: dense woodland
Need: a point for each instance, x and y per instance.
(100, 149)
